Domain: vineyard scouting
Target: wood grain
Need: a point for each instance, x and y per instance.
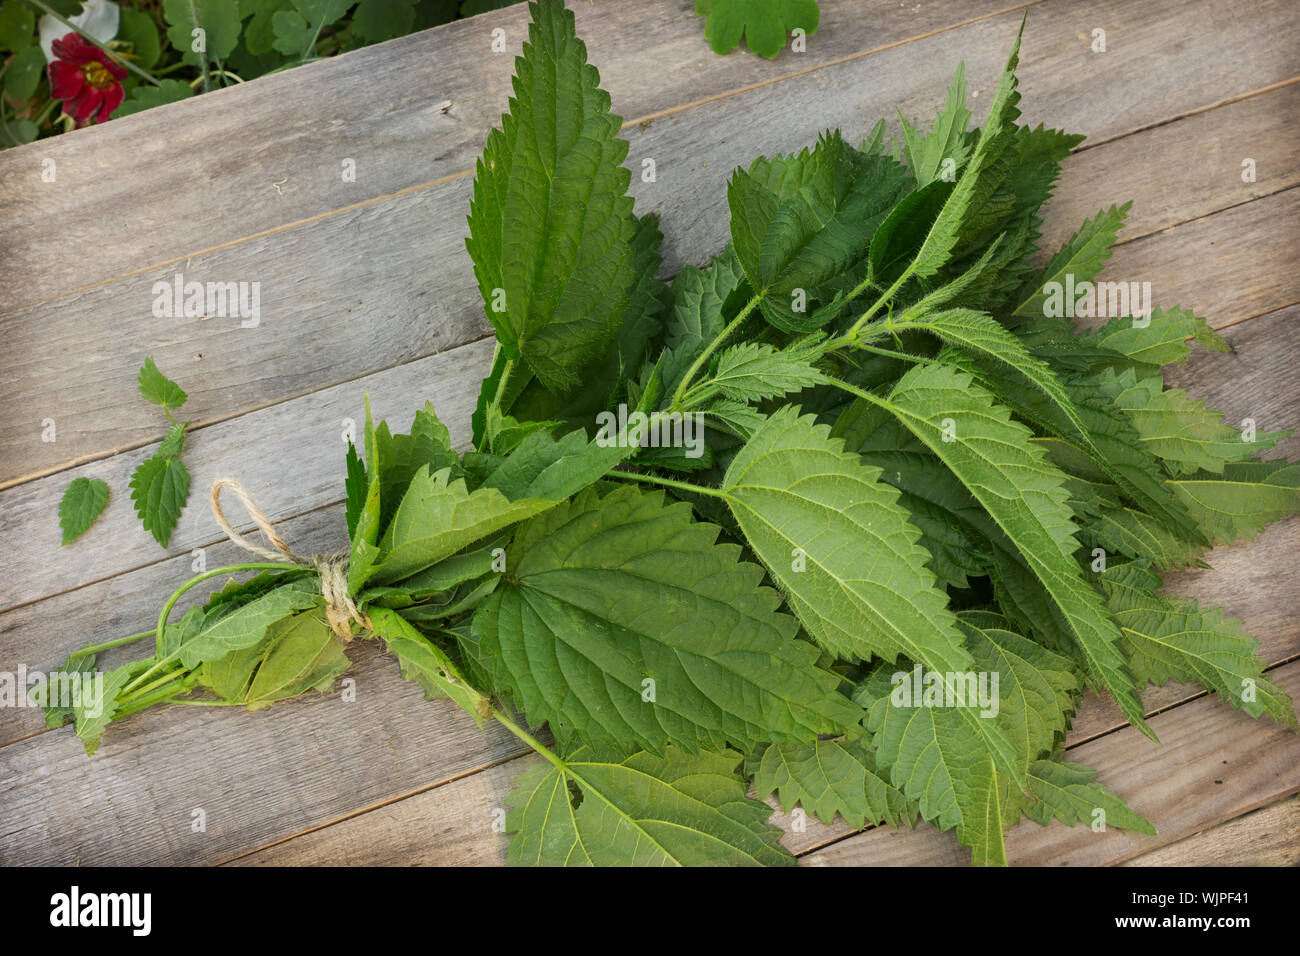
(1268, 837)
(260, 155)
(1213, 766)
(295, 465)
(290, 456)
(393, 274)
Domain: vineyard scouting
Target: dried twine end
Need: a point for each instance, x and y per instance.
(340, 611)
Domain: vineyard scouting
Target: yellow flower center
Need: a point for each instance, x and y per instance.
(97, 75)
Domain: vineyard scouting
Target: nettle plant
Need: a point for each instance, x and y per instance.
(926, 515)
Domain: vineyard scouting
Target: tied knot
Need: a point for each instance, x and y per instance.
(340, 611)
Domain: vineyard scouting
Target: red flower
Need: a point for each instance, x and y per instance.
(86, 78)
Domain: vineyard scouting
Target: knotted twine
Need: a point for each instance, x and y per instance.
(340, 611)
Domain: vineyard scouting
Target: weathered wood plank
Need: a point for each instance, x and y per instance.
(408, 112)
(1189, 168)
(1229, 266)
(128, 603)
(290, 456)
(1215, 764)
(452, 824)
(306, 477)
(1268, 837)
(256, 777)
(394, 276)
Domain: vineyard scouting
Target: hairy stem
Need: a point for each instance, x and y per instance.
(712, 347)
(527, 738)
(666, 482)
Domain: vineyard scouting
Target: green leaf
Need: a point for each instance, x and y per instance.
(935, 757)
(995, 459)
(146, 97)
(399, 457)
(699, 313)
(233, 626)
(902, 233)
(159, 488)
(542, 467)
(1036, 686)
(1180, 430)
(551, 225)
(376, 20)
(23, 73)
(983, 175)
(139, 30)
(294, 36)
(678, 809)
(606, 378)
(17, 26)
(763, 23)
(800, 221)
(171, 446)
(946, 140)
(835, 539)
(1083, 257)
(980, 335)
(92, 716)
(83, 500)
(259, 33)
(1162, 341)
(425, 663)
(356, 485)
(755, 370)
(622, 621)
(437, 517)
(1067, 792)
(838, 543)
(219, 20)
(1168, 639)
(1238, 503)
(829, 777)
(19, 132)
(297, 654)
(1136, 534)
(158, 388)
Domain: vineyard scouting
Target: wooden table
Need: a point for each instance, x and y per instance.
(365, 287)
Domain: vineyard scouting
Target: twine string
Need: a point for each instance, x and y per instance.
(340, 610)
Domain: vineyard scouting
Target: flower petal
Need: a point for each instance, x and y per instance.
(66, 80)
(99, 18)
(113, 97)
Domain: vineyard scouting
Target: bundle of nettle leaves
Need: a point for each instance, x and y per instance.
(913, 478)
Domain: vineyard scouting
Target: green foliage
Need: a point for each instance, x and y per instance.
(829, 777)
(82, 502)
(763, 23)
(881, 579)
(621, 621)
(551, 225)
(678, 809)
(160, 485)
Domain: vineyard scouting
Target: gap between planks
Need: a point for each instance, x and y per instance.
(217, 419)
(460, 174)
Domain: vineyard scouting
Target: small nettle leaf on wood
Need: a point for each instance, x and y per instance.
(928, 514)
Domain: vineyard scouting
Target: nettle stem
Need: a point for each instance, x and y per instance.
(667, 482)
(176, 596)
(712, 347)
(527, 738)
